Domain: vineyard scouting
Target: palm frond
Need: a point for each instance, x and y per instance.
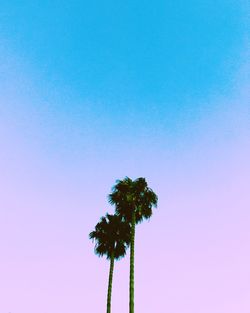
(111, 236)
(130, 196)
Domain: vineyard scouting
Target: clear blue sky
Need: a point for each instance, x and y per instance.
(92, 91)
(141, 51)
(146, 64)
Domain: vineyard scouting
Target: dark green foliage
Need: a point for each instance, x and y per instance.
(111, 236)
(133, 196)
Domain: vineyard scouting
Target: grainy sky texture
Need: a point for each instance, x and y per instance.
(91, 92)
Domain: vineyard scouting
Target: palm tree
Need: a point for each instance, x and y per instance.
(112, 237)
(134, 201)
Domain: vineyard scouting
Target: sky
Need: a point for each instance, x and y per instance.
(91, 92)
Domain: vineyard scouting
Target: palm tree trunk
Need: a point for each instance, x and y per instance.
(132, 265)
(111, 270)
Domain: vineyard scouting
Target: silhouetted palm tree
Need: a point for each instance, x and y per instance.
(134, 201)
(112, 237)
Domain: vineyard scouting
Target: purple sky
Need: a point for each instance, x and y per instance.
(61, 152)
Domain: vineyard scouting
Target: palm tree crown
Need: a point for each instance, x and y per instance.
(111, 236)
(133, 197)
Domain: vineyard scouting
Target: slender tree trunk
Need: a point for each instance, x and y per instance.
(132, 265)
(111, 270)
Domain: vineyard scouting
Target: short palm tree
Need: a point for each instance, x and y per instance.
(134, 201)
(112, 237)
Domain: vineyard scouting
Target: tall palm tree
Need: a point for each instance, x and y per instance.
(112, 237)
(134, 201)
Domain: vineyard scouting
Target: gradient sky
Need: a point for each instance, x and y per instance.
(91, 92)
